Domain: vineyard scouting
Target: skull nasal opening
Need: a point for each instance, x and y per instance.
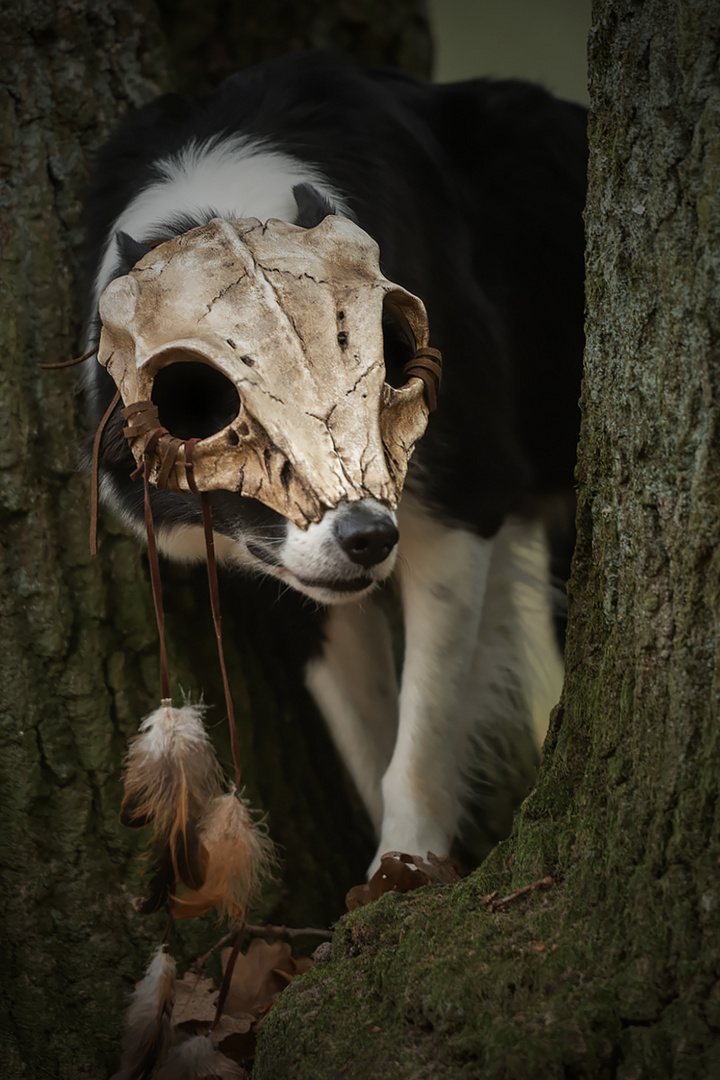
(194, 400)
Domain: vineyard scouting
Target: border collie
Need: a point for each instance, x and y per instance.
(474, 192)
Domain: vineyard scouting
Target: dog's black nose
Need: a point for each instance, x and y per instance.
(366, 534)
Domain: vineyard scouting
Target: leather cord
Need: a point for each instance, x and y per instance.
(70, 363)
(156, 583)
(214, 591)
(143, 419)
(426, 364)
(95, 474)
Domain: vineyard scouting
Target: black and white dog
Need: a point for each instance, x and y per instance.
(474, 192)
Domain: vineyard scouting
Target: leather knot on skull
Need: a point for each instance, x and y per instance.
(284, 325)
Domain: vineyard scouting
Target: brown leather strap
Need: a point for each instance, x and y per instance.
(95, 475)
(426, 364)
(147, 451)
(143, 419)
(214, 591)
(169, 448)
(154, 563)
(217, 622)
(229, 968)
(190, 464)
(70, 363)
(95, 471)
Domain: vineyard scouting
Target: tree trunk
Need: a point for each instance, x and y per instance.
(211, 40)
(612, 970)
(79, 648)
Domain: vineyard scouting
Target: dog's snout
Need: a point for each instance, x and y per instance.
(366, 535)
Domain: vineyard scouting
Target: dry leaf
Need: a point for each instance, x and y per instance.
(258, 977)
(195, 1007)
(237, 1045)
(195, 1000)
(401, 873)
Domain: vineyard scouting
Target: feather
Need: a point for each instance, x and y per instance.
(172, 775)
(161, 883)
(240, 855)
(190, 856)
(147, 1021)
(198, 1058)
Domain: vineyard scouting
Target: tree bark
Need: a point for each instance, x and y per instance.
(612, 971)
(211, 40)
(79, 650)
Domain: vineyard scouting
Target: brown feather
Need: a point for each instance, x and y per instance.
(147, 1021)
(171, 760)
(172, 776)
(190, 856)
(240, 855)
(131, 816)
(199, 1059)
(160, 884)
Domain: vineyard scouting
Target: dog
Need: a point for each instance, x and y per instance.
(474, 193)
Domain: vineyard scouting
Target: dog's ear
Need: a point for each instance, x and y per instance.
(312, 206)
(130, 252)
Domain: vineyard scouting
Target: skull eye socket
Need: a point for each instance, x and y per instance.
(194, 400)
(398, 342)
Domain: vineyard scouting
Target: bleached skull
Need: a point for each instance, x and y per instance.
(293, 318)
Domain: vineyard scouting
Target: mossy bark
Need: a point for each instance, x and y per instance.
(78, 654)
(613, 971)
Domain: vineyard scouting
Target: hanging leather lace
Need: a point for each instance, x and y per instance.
(142, 420)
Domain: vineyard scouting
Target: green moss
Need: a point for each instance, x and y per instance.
(438, 982)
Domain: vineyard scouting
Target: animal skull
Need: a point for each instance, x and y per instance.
(293, 317)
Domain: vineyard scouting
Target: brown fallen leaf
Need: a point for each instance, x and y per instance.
(257, 980)
(196, 1005)
(194, 1013)
(260, 975)
(401, 873)
(195, 998)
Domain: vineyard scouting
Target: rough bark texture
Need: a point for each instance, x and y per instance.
(613, 972)
(210, 40)
(78, 653)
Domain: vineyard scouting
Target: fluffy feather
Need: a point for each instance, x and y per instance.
(159, 884)
(172, 775)
(240, 854)
(198, 1058)
(147, 1021)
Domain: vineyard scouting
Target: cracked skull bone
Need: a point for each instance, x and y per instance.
(293, 317)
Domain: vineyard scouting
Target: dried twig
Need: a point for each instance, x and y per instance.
(289, 933)
(543, 883)
(285, 933)
(197, 965)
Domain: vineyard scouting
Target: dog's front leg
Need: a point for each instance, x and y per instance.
(355, 687)
(443, 574)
